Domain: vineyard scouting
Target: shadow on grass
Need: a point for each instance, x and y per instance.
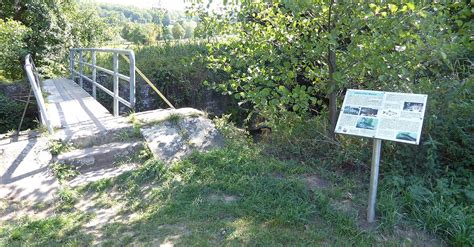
(232, 195)
(226, 196)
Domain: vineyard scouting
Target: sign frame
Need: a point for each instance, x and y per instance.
(381, 113)
(365, 116)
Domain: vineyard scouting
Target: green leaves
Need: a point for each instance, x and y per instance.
(12, 48)
(53, 28)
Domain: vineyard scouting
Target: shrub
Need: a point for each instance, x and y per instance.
(12, 48)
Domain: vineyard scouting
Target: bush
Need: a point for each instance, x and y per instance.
(12, 48)
(278, 62)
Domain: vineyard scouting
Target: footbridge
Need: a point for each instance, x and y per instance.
(84, 134)
(71, 101)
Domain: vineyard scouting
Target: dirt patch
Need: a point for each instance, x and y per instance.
(347, 206)
(417, 238)
(314, 182)
(171, 239)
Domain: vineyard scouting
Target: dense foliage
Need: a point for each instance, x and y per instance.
(286, 58)
(12, 47)
(55, 26)
(278, 60)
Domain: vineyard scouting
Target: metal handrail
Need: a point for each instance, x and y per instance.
(115, 73)
(33, 78)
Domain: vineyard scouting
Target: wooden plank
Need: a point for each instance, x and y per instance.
(68, 104)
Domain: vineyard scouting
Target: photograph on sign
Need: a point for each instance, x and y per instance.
(382, 115)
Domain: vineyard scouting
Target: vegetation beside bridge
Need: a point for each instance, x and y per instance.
(288, 63)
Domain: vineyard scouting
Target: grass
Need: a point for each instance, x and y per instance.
(53, 231)
(242, 194)
(232, 196)
(265, 210)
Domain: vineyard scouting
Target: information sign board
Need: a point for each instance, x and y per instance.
(382, 115)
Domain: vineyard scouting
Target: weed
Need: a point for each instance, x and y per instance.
(57, 147)
(145, 153)
(174, 118)
(64, 172)
(137, 125)
(127, 135)
(195, 115)
(98, 186)
(67, 197)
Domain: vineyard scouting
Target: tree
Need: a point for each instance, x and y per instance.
(285, 54)
(156, 17)
(167, 33)
(166, 20)
(12, 48)
(139, 34)
(55, 27)
(189, 30)
(157, 31)
(178, 31)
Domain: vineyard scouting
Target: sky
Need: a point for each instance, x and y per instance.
(167, 4)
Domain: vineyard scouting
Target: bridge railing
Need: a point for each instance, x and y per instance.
(34, 79)
(114, 73)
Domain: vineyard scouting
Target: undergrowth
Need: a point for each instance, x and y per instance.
(11, 113)
(429, 186)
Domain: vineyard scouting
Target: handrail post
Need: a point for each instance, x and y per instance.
(94, 75)
(83, 60)
(116, 84)
(132, 79)
(71, 63)
(81, 68)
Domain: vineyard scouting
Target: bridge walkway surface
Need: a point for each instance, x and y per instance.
(68, 104)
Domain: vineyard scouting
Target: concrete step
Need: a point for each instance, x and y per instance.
(109, 129)
(88, 134)
(99, 157)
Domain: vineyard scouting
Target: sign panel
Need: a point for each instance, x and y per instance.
(382, 115)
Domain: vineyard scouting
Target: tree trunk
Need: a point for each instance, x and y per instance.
(19, 9)
(331, 60)
(332, 92)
